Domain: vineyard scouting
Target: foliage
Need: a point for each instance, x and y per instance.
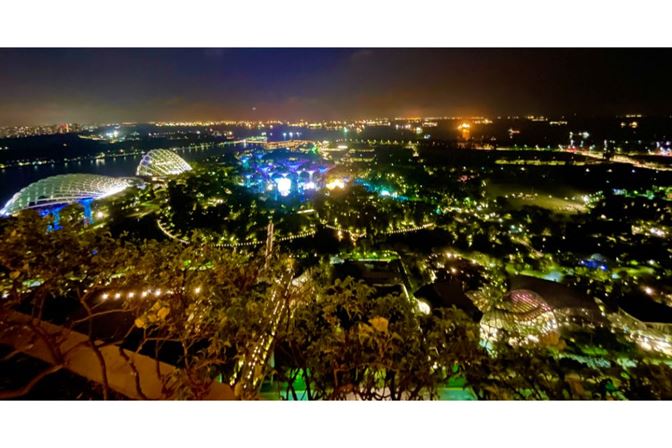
(199, 306)
(347, 343)
(219, 313)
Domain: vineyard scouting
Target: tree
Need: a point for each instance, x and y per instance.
(345, 342)
(210, 305)
(47, 274)
(216, 314)
(203, 308)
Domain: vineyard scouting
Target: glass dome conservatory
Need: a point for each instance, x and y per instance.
(521, 317)
(64, 189)
(160, 163)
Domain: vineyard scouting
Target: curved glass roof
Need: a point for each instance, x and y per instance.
(523, 304)
(161, 163)
(521, 310)
(64, 189)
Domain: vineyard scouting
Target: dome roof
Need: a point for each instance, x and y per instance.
(521, 313)
(161, 163)
(64, 189)
(523, 304)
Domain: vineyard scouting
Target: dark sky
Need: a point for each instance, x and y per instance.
(103, 85)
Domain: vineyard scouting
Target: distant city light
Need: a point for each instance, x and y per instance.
(657, 232)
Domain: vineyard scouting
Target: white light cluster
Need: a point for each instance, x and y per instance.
(284, 186)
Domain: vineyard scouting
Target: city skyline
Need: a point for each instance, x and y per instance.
(47, 86)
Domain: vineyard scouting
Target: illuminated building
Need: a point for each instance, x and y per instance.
(521, 317)
(160, 163)
(64, 189)
(644, 320)
(538, 311)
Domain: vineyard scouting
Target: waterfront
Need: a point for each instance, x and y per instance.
(16, 177)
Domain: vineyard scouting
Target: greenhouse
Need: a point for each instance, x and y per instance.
(64, 189)
(160, 163)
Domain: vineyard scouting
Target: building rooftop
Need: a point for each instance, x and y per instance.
(446, 294)
(555, 294)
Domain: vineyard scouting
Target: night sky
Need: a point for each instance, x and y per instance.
(43, 86)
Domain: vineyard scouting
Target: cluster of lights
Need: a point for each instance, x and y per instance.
(336, 183)
(296, 236)
(29, 131)
(340, 231)
(284, 186)
(412, 229)
(150, 292)
(246, 243)
(523, 315)
(648, 337)
(280, 239)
